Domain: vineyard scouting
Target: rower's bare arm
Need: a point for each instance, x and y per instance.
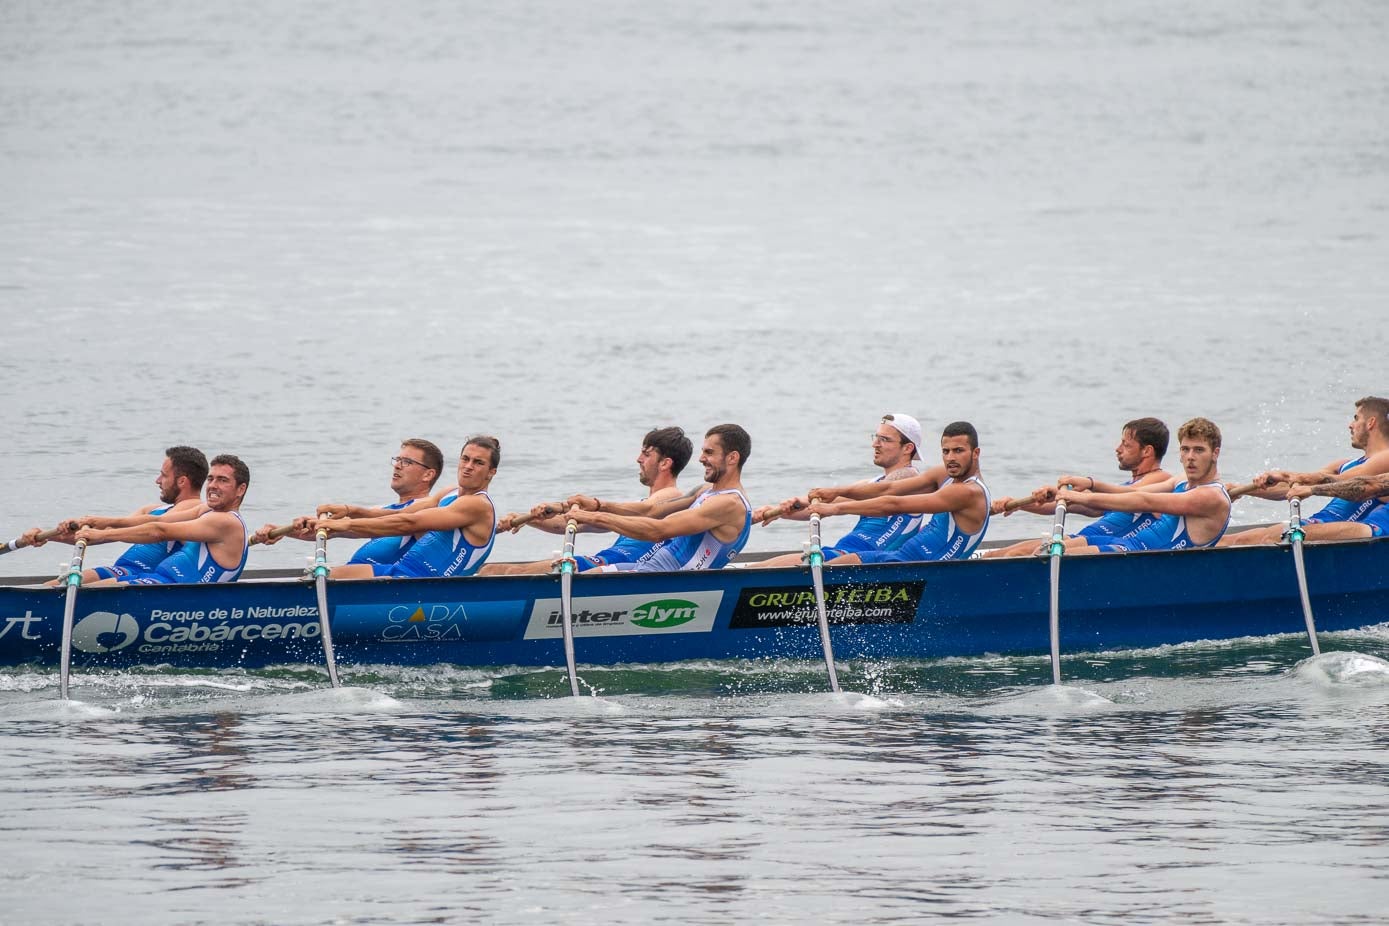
(183, 511)
(717, 512)
(399, 523)
(949, 498)
(919, 484)
(1197, 502)
(211, 529)
(648, 508)
(1355, 489)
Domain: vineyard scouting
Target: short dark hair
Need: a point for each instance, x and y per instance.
(433, 456)
(1201, 429)
(240, 470)
(672, 444)
(493, 445)
(962, 429)
(1378, 407)
(732, 437)
(1150, 432)
(189, 462)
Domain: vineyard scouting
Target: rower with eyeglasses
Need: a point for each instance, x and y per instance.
(414, 472)
(895, 448)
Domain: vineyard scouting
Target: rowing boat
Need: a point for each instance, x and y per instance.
(915, 610)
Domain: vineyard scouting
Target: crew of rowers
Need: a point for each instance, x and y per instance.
(908, 513)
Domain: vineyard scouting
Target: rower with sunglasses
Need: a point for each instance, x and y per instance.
(414, 471)
(895, 444)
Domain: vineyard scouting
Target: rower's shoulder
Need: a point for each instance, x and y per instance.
(669, 493)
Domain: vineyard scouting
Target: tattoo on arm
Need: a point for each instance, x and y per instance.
(1355, 489)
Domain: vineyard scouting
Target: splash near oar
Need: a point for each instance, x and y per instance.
(1295, 536)
(320, 580)
(72, 580)
(567, 565)
(816, 557)
(1055, 550)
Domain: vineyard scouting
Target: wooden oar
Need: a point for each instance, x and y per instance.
(816, 557)
(276, 534)
(1055, 550)
(1018, 503)
(73, 580)
(1295, 537)
(320, 581)
(566, 603)
(1243, 489)
(19, 544)
(551, 509)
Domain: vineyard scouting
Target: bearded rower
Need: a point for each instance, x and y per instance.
(701, 530)
(953, 494)
(213, 543)
(180, 484)
(664, 453)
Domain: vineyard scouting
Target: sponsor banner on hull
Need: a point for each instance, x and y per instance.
(626, 615)
(200, 631)
(863, 603)
(429, 622)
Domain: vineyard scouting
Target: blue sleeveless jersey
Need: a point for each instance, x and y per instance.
(439, 554)
(623, 550)
(938, 539)
(695, 551)
(141, 557)
(194, 565)
(1343, 509)
(1169, 532)
(1118, 523)
(383, 550)
(887, 532)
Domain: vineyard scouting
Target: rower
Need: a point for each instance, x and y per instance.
(664, 453)
(895, 444)
(455, 536)
(953, 493)
(1193, 515)
(180, 484)
(1341, 519)
(1142, 445)
(703, 529)
(213, 543)
(414, 471)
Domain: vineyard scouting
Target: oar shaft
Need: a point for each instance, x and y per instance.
(1018, 503)
(320, 580)
(1055, 551)
(1242, 489)
(816, 556)
(1295, 537)
(45, 536)
(73, 581)
(566, 600)
(276, 534)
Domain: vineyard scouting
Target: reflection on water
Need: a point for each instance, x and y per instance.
(720, 790)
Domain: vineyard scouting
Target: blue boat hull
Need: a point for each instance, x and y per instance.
(922, 610)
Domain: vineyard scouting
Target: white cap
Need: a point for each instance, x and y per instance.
(909, 428)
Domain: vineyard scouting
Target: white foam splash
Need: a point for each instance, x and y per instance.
(1347, 668)
(1050, 700)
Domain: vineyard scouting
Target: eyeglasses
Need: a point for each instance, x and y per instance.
(879, 439)
(401, 461)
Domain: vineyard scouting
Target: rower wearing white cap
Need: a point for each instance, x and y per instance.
(953, 494)
(895, 448)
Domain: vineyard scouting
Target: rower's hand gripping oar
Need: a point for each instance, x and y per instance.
(815, 556)
(1055, 550)
(19, 544)
(320, 580)
(72, 580)
(276, 534)
(1295, 536)
(567, 565)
